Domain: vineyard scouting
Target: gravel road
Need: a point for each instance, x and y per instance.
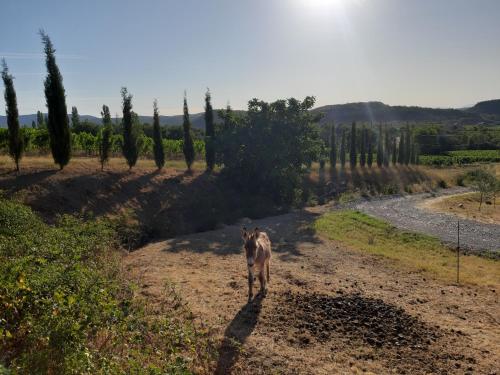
(403, 212)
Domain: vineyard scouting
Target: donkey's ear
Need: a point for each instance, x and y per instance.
(256, 231)
(244, 233)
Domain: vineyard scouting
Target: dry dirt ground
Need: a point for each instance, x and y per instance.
(329, 310)
(466, 206)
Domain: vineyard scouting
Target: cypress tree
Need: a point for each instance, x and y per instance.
(333, 148)
(58, 124)
(158, 142)
(407, 154)
(342, 150)
(33, 124)
(353, 154)
(130, 149)
(401, 151)
(40, 122)
(394, 151)
(369, 138)
(16, 144)
(105, 136)
(387, 147)
(362, 156)
(209, 132)
(75, 117)
(380, 147)
(188, 146)
(413, 155)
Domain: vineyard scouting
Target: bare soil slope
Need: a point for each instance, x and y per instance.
(330, 309)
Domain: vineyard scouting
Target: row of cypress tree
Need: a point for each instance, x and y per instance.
(58, 124)
(389, 150)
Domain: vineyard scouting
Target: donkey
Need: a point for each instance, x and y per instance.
(258, 253)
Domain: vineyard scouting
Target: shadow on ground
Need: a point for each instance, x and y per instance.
(236, 334)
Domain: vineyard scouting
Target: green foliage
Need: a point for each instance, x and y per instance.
(362, 156)
(369, 141)
(333, 147)
(267, 151)
(209, 132)
(130, 132)
(343, 149)
(485, 182)
(380, 147)
(105, 136)
(58, 126)
(16, 144)
(187, 146)
(353, 155)
(387, 147)
(40, 120)
(65, 308)
(461, 157)
(394, 150)
(159, 153)
(75, 117)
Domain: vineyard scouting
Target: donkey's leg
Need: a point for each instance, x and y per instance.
(262, 279)
(250, 284)
(268, 262)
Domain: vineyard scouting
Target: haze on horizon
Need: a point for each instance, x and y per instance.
(415, 52)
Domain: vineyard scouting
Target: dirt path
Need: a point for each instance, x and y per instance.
(329, 309)
(407, 212)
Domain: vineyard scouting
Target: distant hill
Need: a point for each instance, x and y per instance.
(346, 113)
(490, 107)
(380, 112)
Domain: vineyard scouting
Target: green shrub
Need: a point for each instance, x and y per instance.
(64, 307)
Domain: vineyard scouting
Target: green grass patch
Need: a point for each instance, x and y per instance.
(411, 250)
(65, 308)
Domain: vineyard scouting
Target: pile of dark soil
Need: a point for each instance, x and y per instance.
(367, 329)
(371, 320)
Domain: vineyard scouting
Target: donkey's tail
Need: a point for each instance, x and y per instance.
(267, 270)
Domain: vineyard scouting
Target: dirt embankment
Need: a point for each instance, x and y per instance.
(161, 203)
(172, 202)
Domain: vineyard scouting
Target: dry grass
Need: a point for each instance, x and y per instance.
(90, 163)
(410, 250)
(466, 206)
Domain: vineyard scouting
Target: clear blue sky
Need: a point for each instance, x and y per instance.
(441, 53)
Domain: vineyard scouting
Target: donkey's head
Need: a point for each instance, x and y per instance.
(250, 245)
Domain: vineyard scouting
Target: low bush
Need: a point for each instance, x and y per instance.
(64, 307)
(461, 157)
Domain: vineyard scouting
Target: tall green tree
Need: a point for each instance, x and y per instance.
(209, 132)
(408, 143)
(105, 136)
(343, 149)
(16, 144)
(333, 147)
(413, 153)
(380, 146)
(369, 141)
(387, 147)
(188, 145)
(157, 139)
(57, 123)
(353, 153)
(40, 121)
(75, 117)
(362, 151)
(394, 151)
(402, 146)
(130, 136)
